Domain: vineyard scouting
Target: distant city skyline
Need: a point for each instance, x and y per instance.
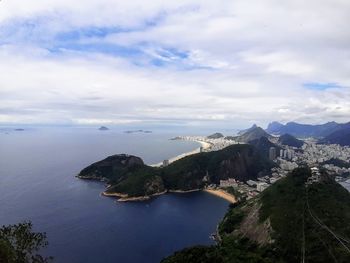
(224, 64)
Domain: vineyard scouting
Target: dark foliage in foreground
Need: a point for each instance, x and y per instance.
(19, 244)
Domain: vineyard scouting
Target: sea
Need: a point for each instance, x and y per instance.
(37, 183)
(346, 185)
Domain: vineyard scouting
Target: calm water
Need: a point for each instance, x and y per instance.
(37, 169)
(346, 186)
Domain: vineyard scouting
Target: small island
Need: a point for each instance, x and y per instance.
(103, 128)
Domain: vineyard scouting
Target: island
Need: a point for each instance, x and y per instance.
(128, 178)
(103, 128)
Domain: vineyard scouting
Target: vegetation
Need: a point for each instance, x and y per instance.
(233, 191)
(251, 134)
(19, 244)
(300, 223)
(263, 144)
(341, 136)
(242, 162)
(290, 140)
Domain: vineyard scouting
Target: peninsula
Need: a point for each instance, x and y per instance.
(130, 179)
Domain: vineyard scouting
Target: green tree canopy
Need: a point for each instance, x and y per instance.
(19, 244)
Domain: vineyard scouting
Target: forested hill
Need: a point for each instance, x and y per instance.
(128, 175)
(288, 222)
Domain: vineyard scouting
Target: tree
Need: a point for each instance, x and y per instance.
(19, 244)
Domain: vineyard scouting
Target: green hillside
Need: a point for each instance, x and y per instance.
(288, 222)
(128, 175)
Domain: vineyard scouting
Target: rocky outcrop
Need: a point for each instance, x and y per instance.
(112, 167)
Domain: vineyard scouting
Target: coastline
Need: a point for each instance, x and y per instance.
(184, 191)
(221, 193)
(204, 145)
(120, 195)
(125, 198)
(217, 192)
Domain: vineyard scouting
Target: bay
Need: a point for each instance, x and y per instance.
(37, 183)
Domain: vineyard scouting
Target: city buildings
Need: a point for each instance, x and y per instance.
(272, 153)
(230, 182)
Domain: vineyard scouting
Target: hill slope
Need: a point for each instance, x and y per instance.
(290, 140)
(216, 135)
(242, 162)
(247, 130)
(288, 222)
(251, 134)
(341, 137)
(263, 145)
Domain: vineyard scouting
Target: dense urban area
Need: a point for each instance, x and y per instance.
(332, 158)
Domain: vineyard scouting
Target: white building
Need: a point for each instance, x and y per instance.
(261, 186)
(230, 182)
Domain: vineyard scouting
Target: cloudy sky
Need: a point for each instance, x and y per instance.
(225, 63)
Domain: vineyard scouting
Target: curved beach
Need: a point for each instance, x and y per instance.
(204, 146)
(222, 194)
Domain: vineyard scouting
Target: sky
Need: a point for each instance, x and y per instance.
(189, 63)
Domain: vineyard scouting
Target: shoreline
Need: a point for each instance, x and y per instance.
(125, 198)
(183, 191)
(120, 195)
(223, 194)
(204, 145)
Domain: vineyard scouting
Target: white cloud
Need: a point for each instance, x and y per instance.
(191, 61)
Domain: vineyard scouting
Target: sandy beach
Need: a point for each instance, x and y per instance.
(222, 194)
(205, 146)
(125, 198)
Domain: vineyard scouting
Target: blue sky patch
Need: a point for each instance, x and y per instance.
(320, 86)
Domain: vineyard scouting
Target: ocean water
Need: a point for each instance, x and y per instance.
(346, 185)
(37, 183)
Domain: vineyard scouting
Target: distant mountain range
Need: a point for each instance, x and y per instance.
(306, 130)
(328, 133)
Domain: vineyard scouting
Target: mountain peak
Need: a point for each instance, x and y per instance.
(252, 134)
(274, 126)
